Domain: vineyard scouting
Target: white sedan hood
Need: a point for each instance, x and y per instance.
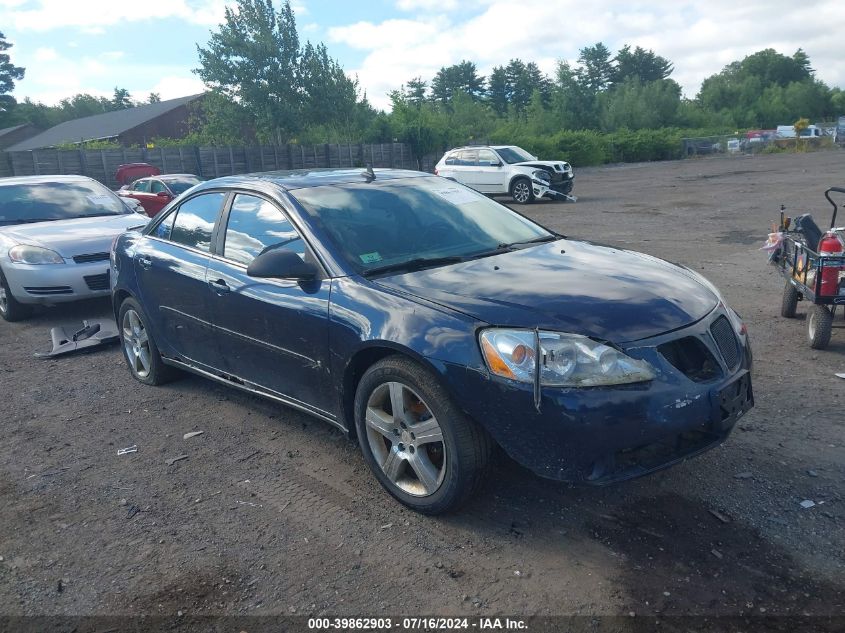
(79, 236)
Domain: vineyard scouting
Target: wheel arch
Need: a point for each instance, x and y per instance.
(365, 358)
(120, 295)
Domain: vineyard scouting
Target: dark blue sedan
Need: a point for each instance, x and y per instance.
(431, 323)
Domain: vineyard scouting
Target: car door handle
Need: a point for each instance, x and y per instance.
(144, 262)
(219, 286)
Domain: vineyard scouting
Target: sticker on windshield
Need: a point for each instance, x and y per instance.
(457, 195)
(370, 258)
(101, 199)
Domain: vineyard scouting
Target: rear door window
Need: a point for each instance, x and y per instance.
(469, 158)
(142, 185)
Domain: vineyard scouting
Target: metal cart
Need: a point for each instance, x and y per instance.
(804, 267)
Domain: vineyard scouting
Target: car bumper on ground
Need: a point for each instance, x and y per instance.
(48, 284)
(600, 435)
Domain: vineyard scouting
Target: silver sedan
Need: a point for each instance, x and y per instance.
(55, 237)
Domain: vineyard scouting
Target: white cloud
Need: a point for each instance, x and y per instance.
(427, 5)
(95, 15)
(699, 38)
(175, 86)
(45, 54)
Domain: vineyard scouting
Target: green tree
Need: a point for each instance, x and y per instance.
(639, 104)
(596, 69)
(9, 74)
(416, 90)
(640, 64)
(498, 94)
(254, 59)
(422, 126)
(328, 94)
(462, 77)
(121, 100)
(154, 97)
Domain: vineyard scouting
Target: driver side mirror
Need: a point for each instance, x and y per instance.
(281, 264)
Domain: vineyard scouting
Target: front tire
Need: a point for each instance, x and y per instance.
(10, 308)
(819, 326)
(422, 449)
(521, 191)
(139, 348)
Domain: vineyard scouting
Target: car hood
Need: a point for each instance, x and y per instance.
(571, 286)
(543, 164)
(79, 236)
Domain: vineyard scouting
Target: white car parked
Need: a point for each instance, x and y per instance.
(55, 238)
(507, 169)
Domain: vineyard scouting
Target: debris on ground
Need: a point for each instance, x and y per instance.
(812, 473)
(717, 554)
(173, 460)
(127, 450)
(807, 504)
(720, 516)
(132, 511)
(188, 436)
(94, 332)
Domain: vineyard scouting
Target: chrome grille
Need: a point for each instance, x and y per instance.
(723, 334)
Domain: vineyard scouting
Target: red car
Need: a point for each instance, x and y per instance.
(156, 191)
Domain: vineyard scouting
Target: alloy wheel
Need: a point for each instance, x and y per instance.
(4, 300)
(405, 439)
(136, 343)
(521, 192)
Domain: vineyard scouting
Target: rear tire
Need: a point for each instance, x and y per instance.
(789, 304)
(430, 456)
(522, 191)
(10, 308)
(139, 348)
(819, 326)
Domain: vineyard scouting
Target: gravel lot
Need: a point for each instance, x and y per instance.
(275, 513)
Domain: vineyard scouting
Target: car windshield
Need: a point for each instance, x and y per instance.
(385, 224)
(42, 201)
(514, 154)
(181, 185)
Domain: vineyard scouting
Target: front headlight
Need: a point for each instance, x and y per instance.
(28, 254)
(541, 175)
(566, 360)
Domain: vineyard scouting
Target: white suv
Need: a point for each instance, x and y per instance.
(507, 169)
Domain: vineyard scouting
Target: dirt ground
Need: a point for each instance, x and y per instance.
(274, 512)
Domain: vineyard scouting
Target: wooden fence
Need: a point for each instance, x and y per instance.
(210, 162)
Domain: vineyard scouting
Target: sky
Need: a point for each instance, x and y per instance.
(73, 46)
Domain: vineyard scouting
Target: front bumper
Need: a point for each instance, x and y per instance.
(601, 435)
(47, 284)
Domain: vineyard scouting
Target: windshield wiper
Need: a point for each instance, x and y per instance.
(417, 263)
(536, 240)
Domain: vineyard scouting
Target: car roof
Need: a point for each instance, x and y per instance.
(173, 176)
(32, 180)
(304, 178)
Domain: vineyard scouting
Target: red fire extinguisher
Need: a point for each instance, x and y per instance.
(830, 245)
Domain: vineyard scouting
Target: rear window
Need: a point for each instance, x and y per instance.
(44, 201)
(181, 185)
